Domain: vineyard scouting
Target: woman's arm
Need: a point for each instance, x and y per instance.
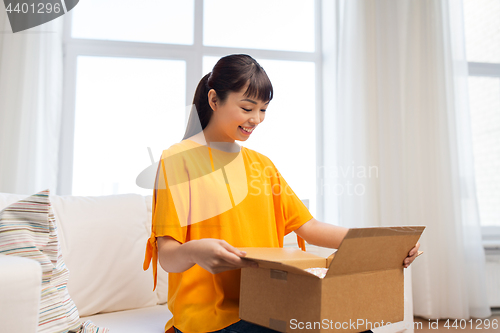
(327, 235)
(214, 255)
(173, 256)
(322, 234)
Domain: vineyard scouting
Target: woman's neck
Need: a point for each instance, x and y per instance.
(204, 138)
(212, 134)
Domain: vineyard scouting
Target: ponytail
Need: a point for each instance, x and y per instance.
(201, 108)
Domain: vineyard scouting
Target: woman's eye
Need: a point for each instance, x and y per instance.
(247, 110)
(263, 110)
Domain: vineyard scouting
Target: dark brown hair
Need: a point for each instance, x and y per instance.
(230, 74)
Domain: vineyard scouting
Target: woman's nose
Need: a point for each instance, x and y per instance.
(256, 119)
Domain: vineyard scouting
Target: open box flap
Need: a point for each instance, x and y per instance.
(330, 258)
(286, 259)
(373, 249)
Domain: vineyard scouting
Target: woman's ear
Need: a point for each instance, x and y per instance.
(212, 99)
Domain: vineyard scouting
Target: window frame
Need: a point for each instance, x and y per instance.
(192, 55)
(490, 234)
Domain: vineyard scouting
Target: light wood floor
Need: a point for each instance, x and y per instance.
(478, 325)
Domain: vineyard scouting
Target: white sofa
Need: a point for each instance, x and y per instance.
(103, 240)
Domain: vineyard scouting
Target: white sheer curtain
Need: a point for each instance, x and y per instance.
(403, 141)
(30, 106)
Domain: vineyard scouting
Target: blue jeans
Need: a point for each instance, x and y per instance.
(241, 327)
(245, 327)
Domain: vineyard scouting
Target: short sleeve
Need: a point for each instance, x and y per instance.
(294, 210)
(165, 217)
(171, 198)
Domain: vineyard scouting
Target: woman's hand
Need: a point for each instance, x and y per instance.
(216, 255)
(411, 255)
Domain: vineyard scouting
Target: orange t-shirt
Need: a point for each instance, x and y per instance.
(203, 192)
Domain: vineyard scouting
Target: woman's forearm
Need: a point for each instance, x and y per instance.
(214, 255)
(327, 235)
(322, 234)
(173, 256)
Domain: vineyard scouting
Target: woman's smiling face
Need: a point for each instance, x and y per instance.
(234, 119)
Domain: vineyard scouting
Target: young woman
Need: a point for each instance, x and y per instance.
(213, 196)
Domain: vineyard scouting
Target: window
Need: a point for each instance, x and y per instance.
(131, 69)
(482, 29)
(153, 21)
(119, 110)
(272, 25)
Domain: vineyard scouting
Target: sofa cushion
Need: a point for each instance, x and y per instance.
(28, 229)
(20, 290)
(144, 320)
(102, 240)
(7, 199)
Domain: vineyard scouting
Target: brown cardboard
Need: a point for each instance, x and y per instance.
(365, 281)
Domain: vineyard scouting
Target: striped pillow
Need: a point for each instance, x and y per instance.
(28, 229)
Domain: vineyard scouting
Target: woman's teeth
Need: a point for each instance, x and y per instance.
(250, 130)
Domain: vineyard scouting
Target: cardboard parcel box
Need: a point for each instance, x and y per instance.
(364, 282)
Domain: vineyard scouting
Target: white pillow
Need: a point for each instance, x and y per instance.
(103, 240)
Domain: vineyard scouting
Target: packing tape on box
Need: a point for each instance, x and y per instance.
(277, 274)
